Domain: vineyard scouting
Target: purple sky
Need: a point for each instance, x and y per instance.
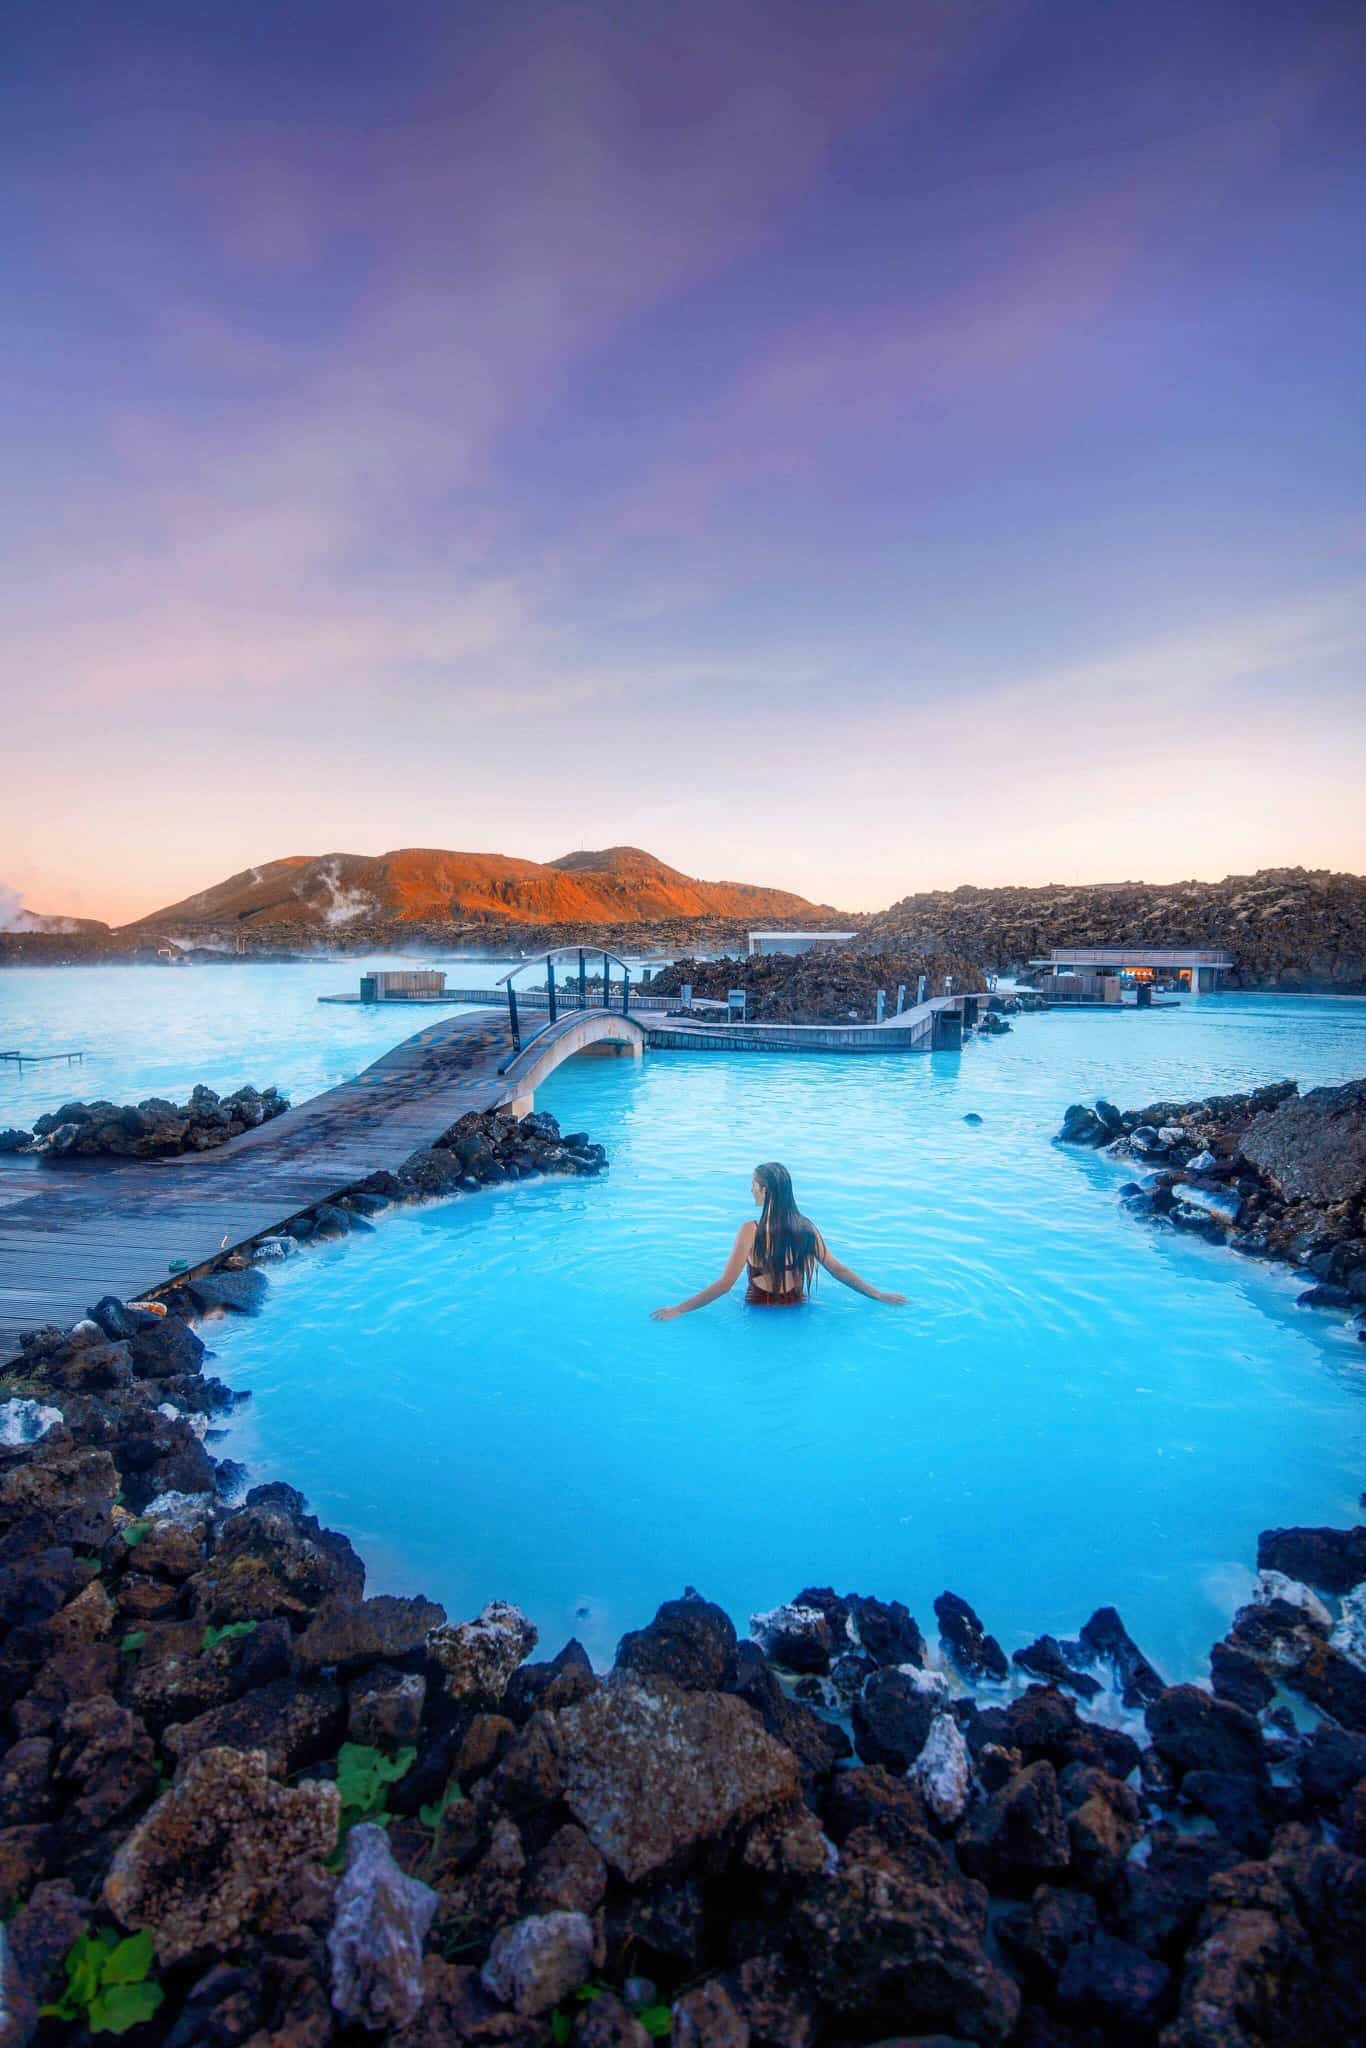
(860, 447)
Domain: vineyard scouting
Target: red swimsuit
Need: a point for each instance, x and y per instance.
(764, 1297)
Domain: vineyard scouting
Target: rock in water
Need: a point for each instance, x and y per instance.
(244, 1291)
(942, 1771)
(1081, 1126)
(798, 1638)
(375, 1941)
(976, 1654)
(212, 1851)
(538, 1961)
(1105, 1635)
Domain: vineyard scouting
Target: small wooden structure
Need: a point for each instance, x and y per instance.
(403, 985)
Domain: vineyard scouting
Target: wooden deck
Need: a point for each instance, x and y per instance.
(70, 1233)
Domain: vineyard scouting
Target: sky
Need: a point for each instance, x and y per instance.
(858, 448)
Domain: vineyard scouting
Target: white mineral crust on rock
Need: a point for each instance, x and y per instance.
(1273, 1585)
(942, 1772)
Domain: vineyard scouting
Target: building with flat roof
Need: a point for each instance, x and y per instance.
(1196, 968)
(795, 942)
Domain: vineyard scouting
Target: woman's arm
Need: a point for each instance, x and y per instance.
(735, 1265)
(849, 1278)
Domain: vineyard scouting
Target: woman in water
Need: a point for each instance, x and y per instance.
(780, 1253)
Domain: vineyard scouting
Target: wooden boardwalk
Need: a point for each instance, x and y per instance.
(70, 1233)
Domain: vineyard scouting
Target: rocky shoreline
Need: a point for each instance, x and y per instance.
(836, 985)
(244, 1805)
(301, 1815)
(151, 1129)
(1272, 1174)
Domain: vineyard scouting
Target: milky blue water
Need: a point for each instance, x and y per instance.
(1073, 1410)
(159, 1030)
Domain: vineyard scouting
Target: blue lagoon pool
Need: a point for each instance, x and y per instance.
(1074, 1410)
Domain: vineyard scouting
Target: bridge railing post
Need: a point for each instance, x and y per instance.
(625, 991)
(583, 980)
(512, 1017)
(550, 987)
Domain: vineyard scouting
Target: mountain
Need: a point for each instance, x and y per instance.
(36, 921)
(620, 885)
(1287, 928)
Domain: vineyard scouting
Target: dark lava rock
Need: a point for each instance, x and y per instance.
(1249, 1976)
(1239, 1678)
(1330, 1764)
(886, 1952)
(557, 1682)
(1312, 1148)
(796, 1638)
(329, 1220)
(817, 1744)
(976, 1654)
(38, 1585)
(1039, 1937)
(349, 1633)
(1160, 1900)
(119, 1322)
(1041, 1723)
(1105, 1636)
(886, 1630)
(1334, 1560)
(892, 1719)
(1239, 1806)
(272, 1558)
(879, 1801)
(1192, 1731)
(243, 1291)
(566, 1876)
(1112, 1984)
(431, 1171)
(1082, 1126)
(1335, 1684)
(1018, 1835)
(690, 1641)
(650, 1770)
(828, 1602)
(164, 1348)
(60, 1496)
(1104, 1822)
(1044, 1659)
(1339, 1298)
(293, 1724)
(1275, 1634)
(1106, 1749)
(383, 1709)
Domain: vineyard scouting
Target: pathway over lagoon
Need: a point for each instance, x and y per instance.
(74, 1232)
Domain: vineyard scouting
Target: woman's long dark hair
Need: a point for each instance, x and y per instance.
(784, 1240)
